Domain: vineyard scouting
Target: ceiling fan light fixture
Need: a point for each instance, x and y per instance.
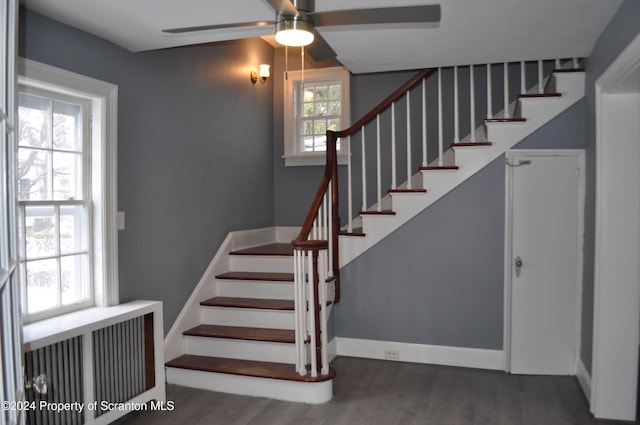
(294, 32)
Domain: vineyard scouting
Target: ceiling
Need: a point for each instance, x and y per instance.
(470, 32)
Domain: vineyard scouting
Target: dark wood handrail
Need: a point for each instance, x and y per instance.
(386, 102)
(330, 177)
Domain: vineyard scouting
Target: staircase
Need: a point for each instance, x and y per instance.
(256, 323)
(245, 342)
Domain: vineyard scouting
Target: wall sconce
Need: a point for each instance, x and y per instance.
(262, 74)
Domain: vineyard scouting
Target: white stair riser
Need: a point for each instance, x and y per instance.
(261, 263)
(255, 289)
(241, 349)
(299, 392)
(248, 317)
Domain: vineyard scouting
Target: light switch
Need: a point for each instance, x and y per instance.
(120, 220)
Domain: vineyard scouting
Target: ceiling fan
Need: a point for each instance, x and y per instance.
(296, 22)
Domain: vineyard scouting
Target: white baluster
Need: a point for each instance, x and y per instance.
(349, 187)
(575, 63)
(558, 64)
(540, 77)
(393, 145)
(378, 164)
(472, 104)
(523, 83)
(364, 173)
(489, 93)
(322, 294)
(408, 140)
(424, 123)
(506, 91)
(300, 312)
(456, 119)
(329, 228)
(313, 304)
(440, 141)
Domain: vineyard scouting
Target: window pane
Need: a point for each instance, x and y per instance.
(33, 115)
(334, 108)
(67, 176)
(321, 108)
(308, 94)
(67, 126)
(40, 232)
(335, 92)
(43, 288)
(321, 93)
(72, 235)
(34, 176)
(74, 278)
(333, 125)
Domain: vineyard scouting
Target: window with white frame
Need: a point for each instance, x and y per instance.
(312, 106)
(54, 196)
(66, 186)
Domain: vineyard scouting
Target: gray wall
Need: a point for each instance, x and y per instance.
(194, 149)
(439, 279)
(622, 29)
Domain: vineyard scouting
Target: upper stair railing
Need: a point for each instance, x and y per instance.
(316, 254)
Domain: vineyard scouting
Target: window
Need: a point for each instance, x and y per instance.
(54, 201)
(309, 111)
(66, 186)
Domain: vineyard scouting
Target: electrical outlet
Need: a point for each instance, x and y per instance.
(392, 354)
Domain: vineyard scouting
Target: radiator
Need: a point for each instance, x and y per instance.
(99, 370)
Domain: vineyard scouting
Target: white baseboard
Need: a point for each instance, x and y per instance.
(584, 379)
(421, 353)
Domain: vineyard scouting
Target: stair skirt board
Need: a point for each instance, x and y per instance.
(277, 352)
(476, 358)
(249, 317)
(300, 392)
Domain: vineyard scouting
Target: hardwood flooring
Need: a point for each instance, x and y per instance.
(387, 393)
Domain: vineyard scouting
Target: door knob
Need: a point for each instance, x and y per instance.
(518, 263)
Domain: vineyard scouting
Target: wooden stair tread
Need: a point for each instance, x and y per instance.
(244, 333)
(440, 167)
(356, 231)
(569, 70)
(515, 119)
(276, 277)
(470, 144)
(276, 249)
(252, 368)
(539, 95)
(383, 212)
(257, 303)
(407, 190)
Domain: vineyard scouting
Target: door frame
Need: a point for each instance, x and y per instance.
(616, 313)
(510, 157)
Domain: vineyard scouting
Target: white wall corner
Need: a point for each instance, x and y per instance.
(477, 358)
(584, 378)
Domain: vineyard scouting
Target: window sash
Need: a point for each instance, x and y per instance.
(82, 290)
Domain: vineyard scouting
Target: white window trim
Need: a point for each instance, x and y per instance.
(292, 155)
(104, 103)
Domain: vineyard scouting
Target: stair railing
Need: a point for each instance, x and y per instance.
(316, 247)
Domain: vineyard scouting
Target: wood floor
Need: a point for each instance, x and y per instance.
(383, 392)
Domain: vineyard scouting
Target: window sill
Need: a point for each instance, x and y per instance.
(311, 160)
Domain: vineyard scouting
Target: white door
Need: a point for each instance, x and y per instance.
(11, 394)
(543, 214)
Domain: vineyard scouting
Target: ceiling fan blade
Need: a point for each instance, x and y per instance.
(283, 7)
(320, 50)
(382, 15)
(218, 27)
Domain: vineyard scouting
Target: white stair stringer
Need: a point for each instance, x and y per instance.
(470, 160)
